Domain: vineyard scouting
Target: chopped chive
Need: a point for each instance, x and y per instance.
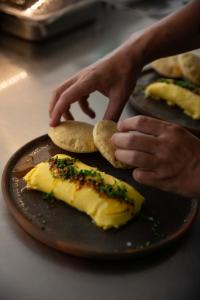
(66, 170)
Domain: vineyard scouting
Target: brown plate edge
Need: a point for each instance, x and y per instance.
(40, 235)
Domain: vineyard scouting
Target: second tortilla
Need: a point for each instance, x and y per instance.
(102, 134)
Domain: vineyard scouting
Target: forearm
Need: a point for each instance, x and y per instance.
(174, 34)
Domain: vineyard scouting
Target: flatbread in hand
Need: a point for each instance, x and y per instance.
(73, 136)
(102, 134)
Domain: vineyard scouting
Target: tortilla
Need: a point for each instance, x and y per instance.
(73, 136)
(190, 67)
(102, 134)
(167, 66)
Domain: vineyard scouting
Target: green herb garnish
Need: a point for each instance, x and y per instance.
(166, 80)
(155, 225)
(65, 169)
(47, 196)
(185, 84)
(182, 83)
(114, 191)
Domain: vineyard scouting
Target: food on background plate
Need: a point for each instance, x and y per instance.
(167, 66)
(109, 201)
(185, 65)
(180, 93)
(73, 136)
(190, 66)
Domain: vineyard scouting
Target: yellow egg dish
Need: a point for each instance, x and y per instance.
(109, 201)
(175, 95)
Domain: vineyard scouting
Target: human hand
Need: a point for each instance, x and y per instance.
(113, 76)
(164, 155)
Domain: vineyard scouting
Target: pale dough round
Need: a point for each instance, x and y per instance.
(73, 136)
(102, 134)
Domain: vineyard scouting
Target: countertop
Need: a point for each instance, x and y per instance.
(28, 269)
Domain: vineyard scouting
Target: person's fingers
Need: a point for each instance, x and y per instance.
(136, 158)
(57, 93)
(143, 124)
(134, 140)
(67, 115)
(86, 108)
(153, 179)
(114, 108)
(146, 177)
(72, 94)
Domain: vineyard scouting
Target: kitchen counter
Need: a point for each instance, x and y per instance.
(28, 269)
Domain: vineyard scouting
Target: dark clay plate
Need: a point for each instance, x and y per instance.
(159, 109)
(164, 218)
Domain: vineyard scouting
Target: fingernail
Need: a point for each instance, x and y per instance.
(111, 140)
(119, 125)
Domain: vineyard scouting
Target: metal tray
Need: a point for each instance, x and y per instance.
(38, 20)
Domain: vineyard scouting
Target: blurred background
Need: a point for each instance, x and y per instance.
(43, 42)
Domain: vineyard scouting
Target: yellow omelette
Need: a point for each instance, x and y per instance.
(109, 201)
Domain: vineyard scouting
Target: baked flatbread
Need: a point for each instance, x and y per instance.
(190, 67)
(73, 136)
(167, 66)
(102, 134)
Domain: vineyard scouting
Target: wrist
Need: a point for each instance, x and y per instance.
(133, 50)
(137, 51)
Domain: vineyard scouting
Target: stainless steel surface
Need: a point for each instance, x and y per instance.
(29, 270)
(41, 19)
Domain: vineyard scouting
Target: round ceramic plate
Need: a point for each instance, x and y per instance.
(164, 218)
(159, 109)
